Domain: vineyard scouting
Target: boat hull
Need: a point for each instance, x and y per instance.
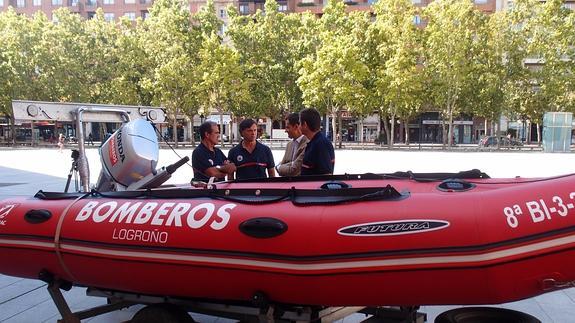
(501, 241)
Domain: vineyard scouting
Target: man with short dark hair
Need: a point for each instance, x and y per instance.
(293, 157)
(319, 156)
(251, 157)
(207, 160)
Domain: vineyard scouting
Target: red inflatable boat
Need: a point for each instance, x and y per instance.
(394, 239)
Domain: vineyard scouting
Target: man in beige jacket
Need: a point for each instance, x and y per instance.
(293, 157)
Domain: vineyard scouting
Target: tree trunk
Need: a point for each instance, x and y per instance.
(221, 127)
(444, 133)
(392, 130)
(175, 130)
(450, 133)
(231, 135)
(334, 128)
(538, 134)
(406, 128)
(386, 129)
(13, 129)
(193, 139)
(485, 128)
(339, 126)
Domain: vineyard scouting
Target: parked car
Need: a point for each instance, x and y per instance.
(499, 141)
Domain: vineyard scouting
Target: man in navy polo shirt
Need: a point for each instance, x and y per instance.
(252, 158)
(207, 160)
(319, 156)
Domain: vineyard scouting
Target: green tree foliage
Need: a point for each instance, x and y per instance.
(398, 79)
(222, 85)
(170, 40)
(452, 48)
(133, 67)
(517, 62)
(333, 77)
(19, 53)
(266, 42)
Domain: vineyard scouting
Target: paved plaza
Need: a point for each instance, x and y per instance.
(24, 171)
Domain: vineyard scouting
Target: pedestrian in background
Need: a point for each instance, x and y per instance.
(252, 158)
(293, 157)
(61, 139)
(319, 156)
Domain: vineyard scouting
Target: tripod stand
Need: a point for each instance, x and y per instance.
(73, 171)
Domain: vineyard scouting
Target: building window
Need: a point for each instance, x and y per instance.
(20, 3)
(282, 7)
(108, 1)
(372, 2)
(480, 1)
(56, 2)
(416, 20)
(108, 16)
(37, 3)
(55, 19)
(145, 14)
(129, 1)
(244, 9)
(73, 3)
(222, 13)
(91, 14)
(1, 3)
(90, 2)
(130, 15)
(416, 1)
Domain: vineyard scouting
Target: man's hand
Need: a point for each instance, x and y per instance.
(227, 167)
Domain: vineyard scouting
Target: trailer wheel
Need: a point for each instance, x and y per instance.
(162, 313)
(485, 315)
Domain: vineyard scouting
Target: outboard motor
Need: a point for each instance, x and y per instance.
(128, 156)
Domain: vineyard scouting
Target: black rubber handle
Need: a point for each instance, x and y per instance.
(37, 216)
(263, 228)
(172, 168)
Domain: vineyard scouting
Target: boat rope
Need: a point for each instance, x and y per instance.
(534, 180)
(58, 233)
(299, 197)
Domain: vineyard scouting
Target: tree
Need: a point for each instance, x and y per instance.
(399, 80)
(266, 42)
(19, 75)
(222, 86)
(487, 98)
(333, 77)
(133, 66)
(169, 39)
(451, 52)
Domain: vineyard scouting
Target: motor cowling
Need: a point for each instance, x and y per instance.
(130, 153)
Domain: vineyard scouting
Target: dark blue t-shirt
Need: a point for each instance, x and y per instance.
(203, 158)
(252, 165)
(319, 156)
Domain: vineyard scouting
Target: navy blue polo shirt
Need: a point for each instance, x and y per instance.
(319, 156)
(252, 165)
(203, 158)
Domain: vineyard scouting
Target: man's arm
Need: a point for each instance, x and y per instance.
(220, 171)
(293, 168)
